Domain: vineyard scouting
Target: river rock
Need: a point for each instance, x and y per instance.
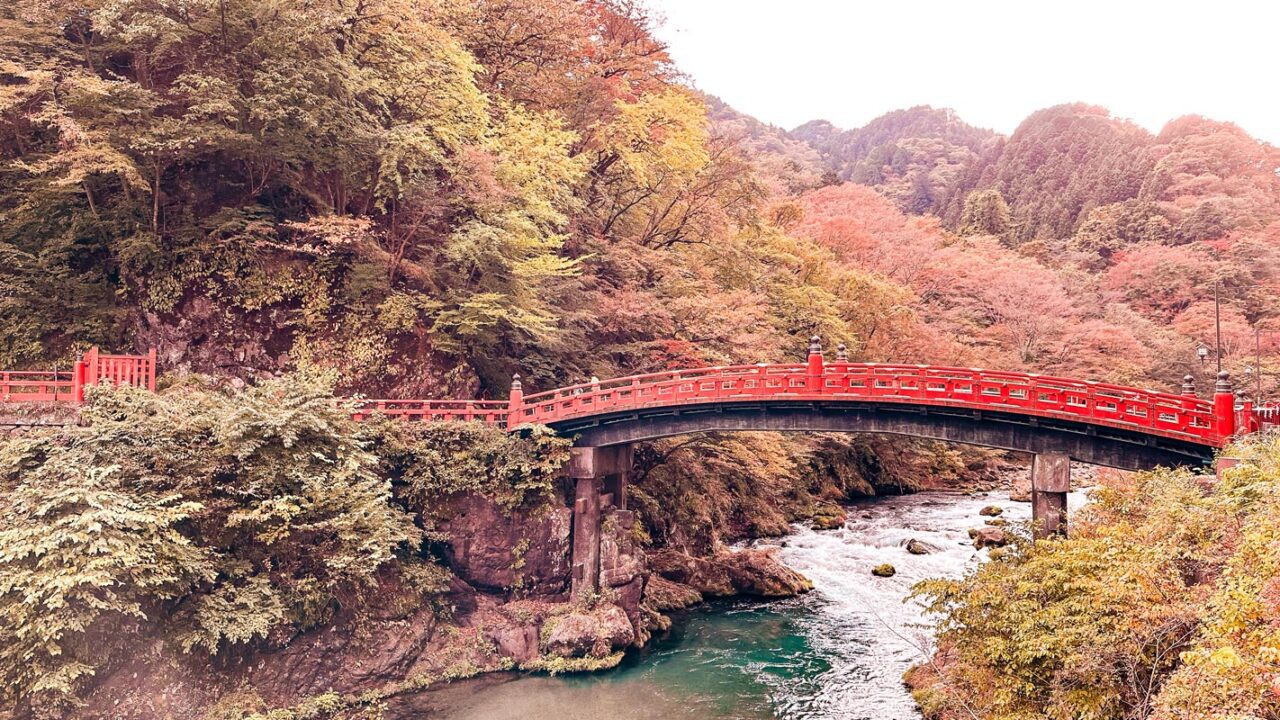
(829, 522)
(916, 547)
(990, 537)
(991, 510)
(581, 633)
(754, 571)
(885, 570)
(996, 522)
(662, 594)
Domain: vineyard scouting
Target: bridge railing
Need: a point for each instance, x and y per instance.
(1179, 416)
(493, 412)
(1264, 416)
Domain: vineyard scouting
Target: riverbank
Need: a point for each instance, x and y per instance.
(837, 652)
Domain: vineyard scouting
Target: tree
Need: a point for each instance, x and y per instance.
(985, 213)
(1109, 229)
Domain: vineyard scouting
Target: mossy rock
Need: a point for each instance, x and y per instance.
(885, 570)
(973, 533)
(828, 522)
(556, 665)
(997, 522)
(991, 511)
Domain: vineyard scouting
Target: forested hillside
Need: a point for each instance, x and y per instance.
(1117, 238)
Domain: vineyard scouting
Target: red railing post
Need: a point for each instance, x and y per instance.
(813, 379)
(1224, 406)
(515, 403)
(151, 369)
(1245, 420)
(77, 381)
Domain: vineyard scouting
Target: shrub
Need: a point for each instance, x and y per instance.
(229, 517)
(1162, 604)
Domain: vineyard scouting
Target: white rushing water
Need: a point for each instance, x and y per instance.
(864, 625)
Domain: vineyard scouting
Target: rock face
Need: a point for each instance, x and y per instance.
(1021, 491)
(587, 634)
(517, 553)
(623, 570)
(755, 571)
(662, 594)
(990, 537)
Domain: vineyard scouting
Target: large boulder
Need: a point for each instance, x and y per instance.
(919, 547)
(662, 594)
(595, 633)
(754, 571)
(524, 553)
(884, 570)
(990, 537)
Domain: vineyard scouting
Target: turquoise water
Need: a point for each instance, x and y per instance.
(837, 653)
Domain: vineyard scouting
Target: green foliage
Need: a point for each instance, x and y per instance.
(83, 555)
(985, 213)
(437, 460)
(226, 518)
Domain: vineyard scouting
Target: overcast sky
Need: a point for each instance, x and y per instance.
(994, 62)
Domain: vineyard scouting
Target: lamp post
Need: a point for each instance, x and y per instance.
(1217, 322)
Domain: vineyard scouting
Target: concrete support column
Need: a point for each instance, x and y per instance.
(600, 477)
(1050, 483)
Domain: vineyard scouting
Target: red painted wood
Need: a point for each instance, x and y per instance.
(1157, 413)
(1180, 417)
(68, 386)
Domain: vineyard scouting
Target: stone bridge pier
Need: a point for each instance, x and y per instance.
(599, 476)
(1050, 483)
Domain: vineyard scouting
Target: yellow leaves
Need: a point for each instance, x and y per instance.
(659, 134)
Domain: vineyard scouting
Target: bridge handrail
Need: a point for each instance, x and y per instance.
(493, 412)
(1168, 414)
(669, 375)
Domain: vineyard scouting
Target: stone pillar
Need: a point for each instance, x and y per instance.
(586, 536)
(1050, 483)
(599, 476)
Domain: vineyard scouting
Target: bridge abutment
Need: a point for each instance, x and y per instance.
(600, 477)
(1050, 483)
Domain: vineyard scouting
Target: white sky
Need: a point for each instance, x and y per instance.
(994, 61)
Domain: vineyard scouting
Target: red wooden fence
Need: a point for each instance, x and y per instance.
(91, 369)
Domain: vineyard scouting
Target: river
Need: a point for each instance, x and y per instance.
(837, 653)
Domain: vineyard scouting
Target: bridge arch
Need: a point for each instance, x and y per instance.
(1083, 442)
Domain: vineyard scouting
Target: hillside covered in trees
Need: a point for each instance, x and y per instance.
(411, 198)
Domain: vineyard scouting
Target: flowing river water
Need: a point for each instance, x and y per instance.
(837, 653)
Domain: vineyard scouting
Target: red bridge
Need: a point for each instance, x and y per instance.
(625, 409)
(1055, 419)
